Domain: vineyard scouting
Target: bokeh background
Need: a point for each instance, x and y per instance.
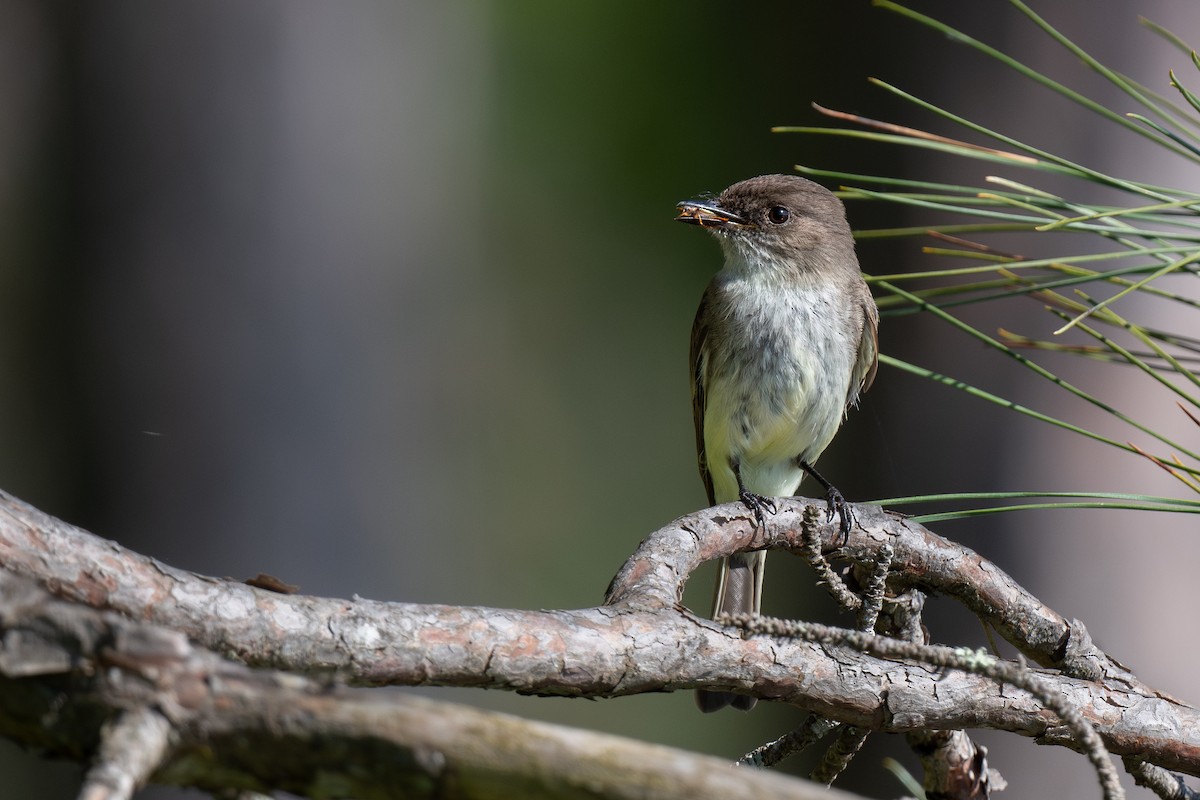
(384, 298)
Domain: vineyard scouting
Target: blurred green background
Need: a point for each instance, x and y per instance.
(384, 298)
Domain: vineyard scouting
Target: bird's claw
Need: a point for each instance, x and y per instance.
(758, 506)
(837, 505)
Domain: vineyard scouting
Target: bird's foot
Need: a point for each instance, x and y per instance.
(833, 500)
(837, 506)
(758, 506)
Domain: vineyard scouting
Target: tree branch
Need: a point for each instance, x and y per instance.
(641, 639)
(182, 715)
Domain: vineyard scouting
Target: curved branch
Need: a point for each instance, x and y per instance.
(641, 640)
(181, 715)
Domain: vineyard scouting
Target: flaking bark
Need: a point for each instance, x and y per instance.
(640, 640)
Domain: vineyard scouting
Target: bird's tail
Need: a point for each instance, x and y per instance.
(739, 591)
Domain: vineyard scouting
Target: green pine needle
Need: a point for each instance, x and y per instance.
(1154, 242)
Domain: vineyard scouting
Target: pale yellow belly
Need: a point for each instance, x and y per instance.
(765, 436)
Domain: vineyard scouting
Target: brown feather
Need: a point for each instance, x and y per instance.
(699, 337)
(868, 352)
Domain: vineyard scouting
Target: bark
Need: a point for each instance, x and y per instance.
(249, 649)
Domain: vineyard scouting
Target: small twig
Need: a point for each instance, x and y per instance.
(839, 755)
(814, 728)
(810, 519)
(872, 597)
(1163, 783)
(132, 747)
(849, 739)
(974, 661)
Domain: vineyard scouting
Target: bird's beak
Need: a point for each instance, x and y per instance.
(707, 215)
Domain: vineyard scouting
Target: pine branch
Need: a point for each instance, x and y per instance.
(640, 640)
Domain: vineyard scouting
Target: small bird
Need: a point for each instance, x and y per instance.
(785, 340)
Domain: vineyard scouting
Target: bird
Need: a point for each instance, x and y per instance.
(784, 342)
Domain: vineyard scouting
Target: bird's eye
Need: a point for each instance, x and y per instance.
(779, 215)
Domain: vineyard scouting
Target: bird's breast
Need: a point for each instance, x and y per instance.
(778, 372)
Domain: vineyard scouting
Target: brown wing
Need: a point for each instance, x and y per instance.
(868, 352)
(698, 357)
